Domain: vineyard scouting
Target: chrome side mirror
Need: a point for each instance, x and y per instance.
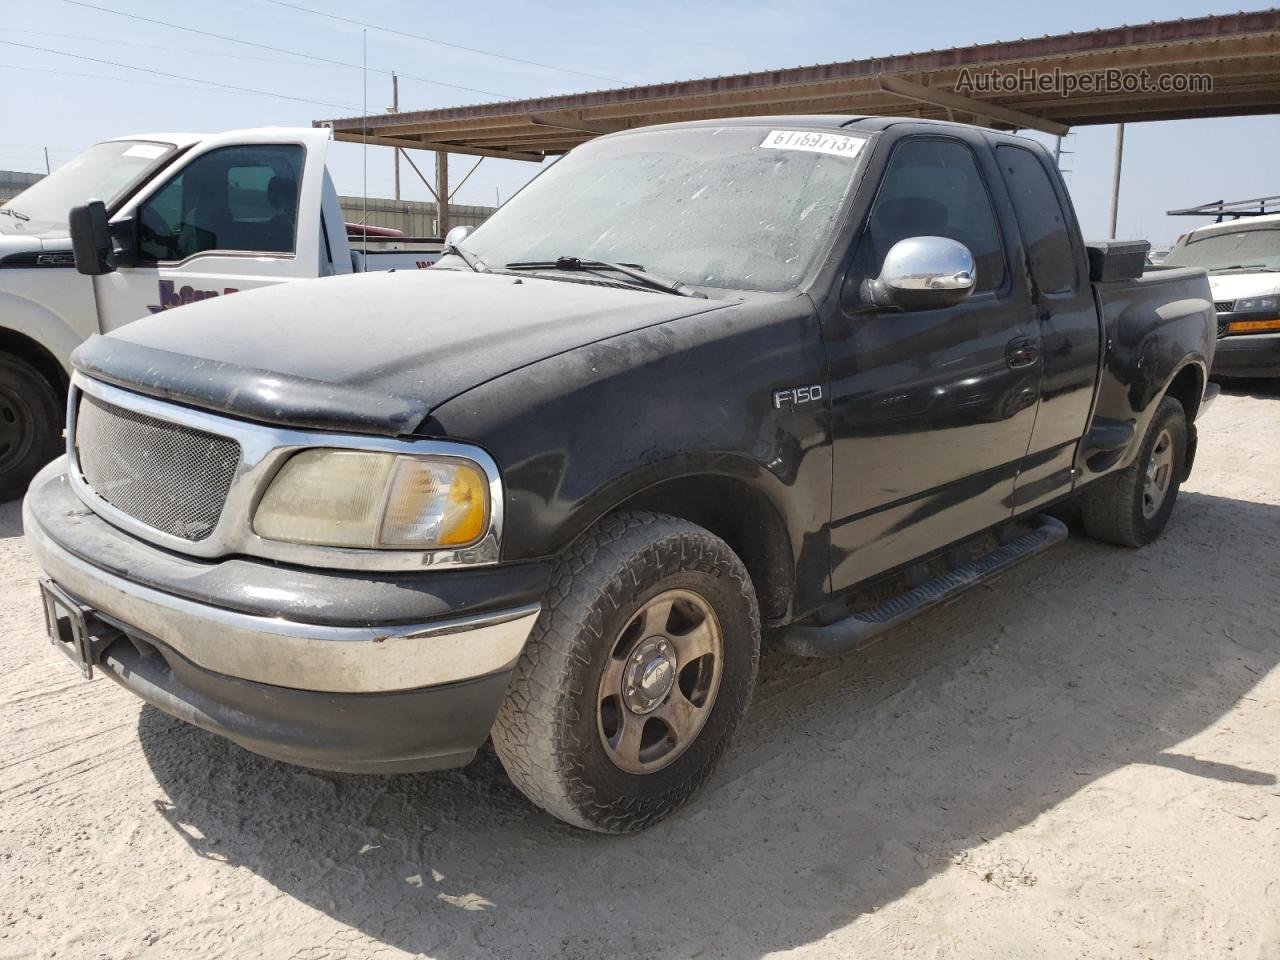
(457, 235)
(923, 273)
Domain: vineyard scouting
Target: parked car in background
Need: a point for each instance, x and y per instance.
(814, 374)
(1243, 259)
(193, 216)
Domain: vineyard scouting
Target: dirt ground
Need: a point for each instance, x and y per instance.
(1080, 760)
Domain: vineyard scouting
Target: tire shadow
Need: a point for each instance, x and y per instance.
(11, 519)
(1263, 388)
(852, 782)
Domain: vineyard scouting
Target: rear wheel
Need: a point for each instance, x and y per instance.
(636, 675)
(1132, 506)
(30, 425)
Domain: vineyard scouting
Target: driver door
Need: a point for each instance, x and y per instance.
(232, 217)
(931, 409)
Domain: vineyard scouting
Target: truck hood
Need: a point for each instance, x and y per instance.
(373, 353)
(18, 244)
(1233, 286)
(27, 231)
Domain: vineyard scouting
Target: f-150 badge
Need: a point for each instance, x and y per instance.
(795, 396)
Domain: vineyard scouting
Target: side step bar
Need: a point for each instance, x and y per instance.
(860, 629)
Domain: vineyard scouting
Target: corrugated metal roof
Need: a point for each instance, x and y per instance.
(1240, 52)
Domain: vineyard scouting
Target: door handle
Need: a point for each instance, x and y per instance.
(1021, 352)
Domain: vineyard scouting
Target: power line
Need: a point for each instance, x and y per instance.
(267, 46)
(165, 47)
(100, 76)
(176, 76)
(311, 61)
(10, 147)
(442, 43)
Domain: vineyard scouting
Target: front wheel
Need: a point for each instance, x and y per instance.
(1132, 506)
(30, 425)
(636, 675)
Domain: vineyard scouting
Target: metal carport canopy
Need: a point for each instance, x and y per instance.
(1239, 51)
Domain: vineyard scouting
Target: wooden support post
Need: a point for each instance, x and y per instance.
(442, 192)
(1115, 179)
(395, 108)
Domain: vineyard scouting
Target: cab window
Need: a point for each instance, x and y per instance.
(1040, 218)
(237, 199)
(932, 188)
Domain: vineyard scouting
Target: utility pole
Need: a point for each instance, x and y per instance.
(1059, 153)
(442, 192)
(46, 161)
(1115, 179)
(395, 108)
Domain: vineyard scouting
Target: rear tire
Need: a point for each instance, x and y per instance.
(636, 675)
(30, 425)
(1132, 506)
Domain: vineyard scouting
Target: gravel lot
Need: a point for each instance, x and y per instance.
(1079, 761)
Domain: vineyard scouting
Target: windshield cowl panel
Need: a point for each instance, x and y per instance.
(745, 208)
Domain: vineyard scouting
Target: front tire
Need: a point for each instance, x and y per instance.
(636, 675)
(1132, 506)
(30, 425)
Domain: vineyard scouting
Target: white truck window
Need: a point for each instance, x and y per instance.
(236, 199)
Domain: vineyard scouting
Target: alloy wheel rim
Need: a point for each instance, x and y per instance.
(1158, 476)
(659, 684)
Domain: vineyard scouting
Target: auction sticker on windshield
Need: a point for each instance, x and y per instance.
(148, 151)
(839, 144)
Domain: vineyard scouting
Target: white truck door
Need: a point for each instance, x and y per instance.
(238, 211)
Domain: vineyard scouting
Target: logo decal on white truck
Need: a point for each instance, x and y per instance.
(171, 297)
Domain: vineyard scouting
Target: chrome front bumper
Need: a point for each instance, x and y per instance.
(263, 649)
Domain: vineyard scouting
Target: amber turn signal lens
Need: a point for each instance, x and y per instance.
(1253, 326)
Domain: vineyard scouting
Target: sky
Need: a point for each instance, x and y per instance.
(292, 66)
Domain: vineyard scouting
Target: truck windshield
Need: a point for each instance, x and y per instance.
(103, 172)
(744, 208)
(1256, 247)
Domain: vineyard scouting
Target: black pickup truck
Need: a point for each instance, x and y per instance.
(798, 376)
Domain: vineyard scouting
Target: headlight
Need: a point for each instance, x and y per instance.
(1255, 304)
(354, 498)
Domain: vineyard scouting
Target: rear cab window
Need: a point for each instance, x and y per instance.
(1041, 219)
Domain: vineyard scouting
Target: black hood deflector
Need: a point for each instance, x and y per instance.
(374, 353)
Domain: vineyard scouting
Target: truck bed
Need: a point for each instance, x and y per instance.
(408, 253)
(1147, 323)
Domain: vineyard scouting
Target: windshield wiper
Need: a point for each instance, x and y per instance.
(14, 213)
(634, 271)
(466, 256)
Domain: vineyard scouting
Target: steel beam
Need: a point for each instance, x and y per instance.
(978, 108)
(575, 121)
(406, 144)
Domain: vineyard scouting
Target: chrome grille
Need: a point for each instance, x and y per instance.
(1224, 306)
(168, 476)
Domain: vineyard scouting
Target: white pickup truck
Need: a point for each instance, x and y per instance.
(1242, 257)
(192, 216)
